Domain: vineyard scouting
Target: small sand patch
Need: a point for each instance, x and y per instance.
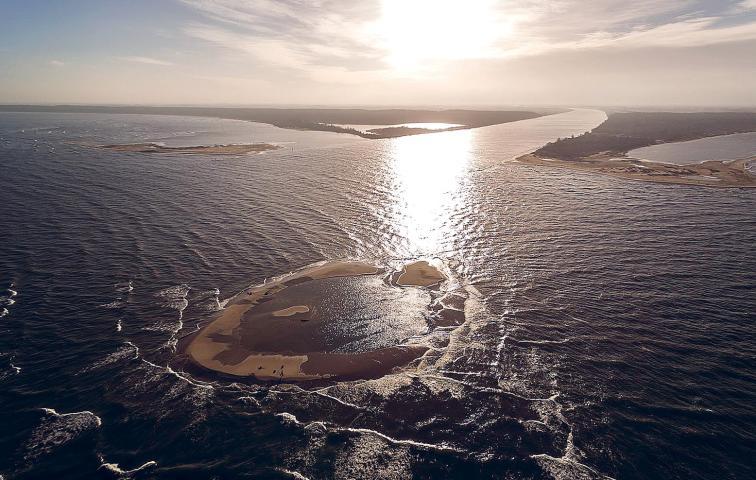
(420, 274)
(287, 312)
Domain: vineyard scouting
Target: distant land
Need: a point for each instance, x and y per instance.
(605, 148)
(234, 149)
(623, 132)
(319, 119)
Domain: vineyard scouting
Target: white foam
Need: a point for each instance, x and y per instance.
(291, 473)
(57, 429)
(565, 469)
(86, 413)
(288, 418)
(128, 351)
(176, 297)
(115, 304)
(13, 367)
(413, 443)
(124, 287)
(170, 371)
(117, 470)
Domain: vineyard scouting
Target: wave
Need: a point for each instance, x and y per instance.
(119, 302)
(57, 429)
(118, 472)
(124, 287)
(114, 305)
(175, 297)
(54, 413)
(128, 351)
(292, 474)
(16, 369)
(562, 468)
(11, 369)
(291, 419)
(209, 300)
(7, 300)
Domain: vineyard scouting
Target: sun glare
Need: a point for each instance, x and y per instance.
(429, 172)
(418, 32)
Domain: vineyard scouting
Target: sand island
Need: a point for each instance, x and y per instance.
(337, 320)
(232, 149)
(605, 149)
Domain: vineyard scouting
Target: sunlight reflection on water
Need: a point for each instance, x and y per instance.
(428, 174)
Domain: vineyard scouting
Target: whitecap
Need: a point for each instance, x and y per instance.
(566, 469)
(124, 287)
(291, 473)
(13, 367)
(117, 471)
(57, 429)
(176, 297)
(288, 418)
(115, 304)
(128, 351)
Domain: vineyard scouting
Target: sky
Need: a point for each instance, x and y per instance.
(379, 52)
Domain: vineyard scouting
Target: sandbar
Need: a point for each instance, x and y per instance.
(287, 312)
(232, 149)
(271, 331)
(420, 274)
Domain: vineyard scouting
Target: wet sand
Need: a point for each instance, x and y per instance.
(287, 312)
(265, 333)
(713, 173)
(420, 274)
(241, 149)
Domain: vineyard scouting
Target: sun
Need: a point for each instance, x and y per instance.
(416, 33)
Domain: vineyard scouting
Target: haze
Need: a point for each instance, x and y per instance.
(372, 52)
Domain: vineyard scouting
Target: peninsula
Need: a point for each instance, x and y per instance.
(605, 149)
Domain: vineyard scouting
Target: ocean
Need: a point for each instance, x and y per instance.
(609, 334)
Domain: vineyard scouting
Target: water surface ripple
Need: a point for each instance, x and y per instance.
(610, 332)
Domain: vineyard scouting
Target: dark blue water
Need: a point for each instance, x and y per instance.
(610, 332)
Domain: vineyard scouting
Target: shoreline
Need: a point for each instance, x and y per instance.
(710, 173)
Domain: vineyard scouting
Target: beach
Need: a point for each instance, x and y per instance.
(712, 173)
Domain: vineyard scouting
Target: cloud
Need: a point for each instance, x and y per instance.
(289, 34)
(57, 63)
(347, 39)
(145, 60)
(746, 6)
